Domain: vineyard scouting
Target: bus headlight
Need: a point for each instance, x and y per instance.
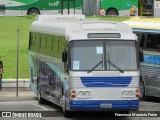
(124, 93)
(80, 94)
(84, 94)
(130, 93)
(87, 94)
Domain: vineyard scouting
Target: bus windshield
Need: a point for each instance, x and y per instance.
(103, 55)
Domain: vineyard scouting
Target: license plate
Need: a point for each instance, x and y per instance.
(106, 105)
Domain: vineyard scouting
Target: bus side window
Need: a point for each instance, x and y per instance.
(61, 45)
(158, 37)
(55, 46)
(141, 40)
(152, 42)
(43, 43)
(30, 41)
(49, 45)
(39, 41)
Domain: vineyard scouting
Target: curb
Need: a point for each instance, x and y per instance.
(11, 84)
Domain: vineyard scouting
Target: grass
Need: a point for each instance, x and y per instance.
(111, 18)
(8, 38)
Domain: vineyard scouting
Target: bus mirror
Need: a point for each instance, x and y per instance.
(141, 56)
(64, 56)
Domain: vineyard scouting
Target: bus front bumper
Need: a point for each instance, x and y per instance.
(76, 105)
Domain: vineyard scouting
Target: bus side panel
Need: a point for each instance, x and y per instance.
(33, 73)
(31, 4)
(50, 77)
(123, 6)
(106, 4)
(126, 5)
(150, 72)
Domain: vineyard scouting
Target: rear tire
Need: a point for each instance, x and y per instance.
(112, 12)
(40, 99)
(33, 12)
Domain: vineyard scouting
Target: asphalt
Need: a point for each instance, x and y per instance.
(11, 95)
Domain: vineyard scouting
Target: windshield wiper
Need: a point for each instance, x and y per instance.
(94, 67)
(115, 66)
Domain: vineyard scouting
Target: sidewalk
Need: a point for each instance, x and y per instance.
(8, 96)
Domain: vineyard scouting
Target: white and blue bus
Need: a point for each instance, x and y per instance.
(148, 31)
(84, 65)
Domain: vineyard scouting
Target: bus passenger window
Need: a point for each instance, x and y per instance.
(56, 46)
(30, 41)
(48, 44)
(43, 43)
(141, 40)
(152, 42)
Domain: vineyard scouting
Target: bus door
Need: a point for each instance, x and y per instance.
(156, 8)
(51, 7)
(146, 7)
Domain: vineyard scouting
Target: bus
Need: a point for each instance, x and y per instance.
(122, 7)
(148, 31)
(84, 65)
(30, 7)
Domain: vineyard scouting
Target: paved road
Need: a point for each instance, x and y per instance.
(28, 102)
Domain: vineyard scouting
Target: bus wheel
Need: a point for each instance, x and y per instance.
(33, 12)
(142, 90)
(112, 12)
(66, 113)
(40, 99)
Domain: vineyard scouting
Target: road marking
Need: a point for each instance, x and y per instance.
(40, 106)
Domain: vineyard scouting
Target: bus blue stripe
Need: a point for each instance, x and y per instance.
(152, 59)
(106, 81)
(95, 105)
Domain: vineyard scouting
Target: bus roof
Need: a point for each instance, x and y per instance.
(150, 25)
(69, 25)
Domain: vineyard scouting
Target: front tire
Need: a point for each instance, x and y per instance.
(65, 112)
(33, 12)
(142, 95)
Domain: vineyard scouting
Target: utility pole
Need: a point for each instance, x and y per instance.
(17, 63)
